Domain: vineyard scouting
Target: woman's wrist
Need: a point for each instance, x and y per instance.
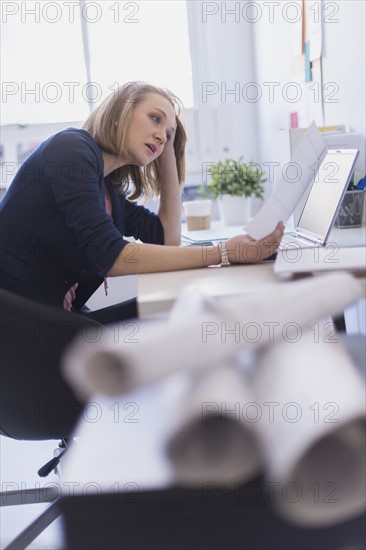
(224, 256)
(210, 255)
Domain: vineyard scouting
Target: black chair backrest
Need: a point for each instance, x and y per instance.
(36, 403)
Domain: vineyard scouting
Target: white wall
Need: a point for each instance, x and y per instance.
(229, 52)
(343, 64)
(228, 49)
(222, 61)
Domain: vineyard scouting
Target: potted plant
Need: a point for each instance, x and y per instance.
(233, 183)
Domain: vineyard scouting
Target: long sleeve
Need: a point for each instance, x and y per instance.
(78, 195)
(143, 224)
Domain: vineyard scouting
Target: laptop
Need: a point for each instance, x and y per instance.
(326, 194)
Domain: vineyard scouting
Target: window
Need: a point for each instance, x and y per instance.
(44, 62)
(146, 41)
(43, 71)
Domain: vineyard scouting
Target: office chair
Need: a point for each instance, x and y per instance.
(36, 403)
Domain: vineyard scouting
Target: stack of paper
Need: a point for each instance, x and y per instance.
(218, 232)
(317, 259)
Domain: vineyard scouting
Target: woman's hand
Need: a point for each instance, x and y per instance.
(243, 249)
(168, 154)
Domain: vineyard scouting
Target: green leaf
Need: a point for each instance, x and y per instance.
(235, 178)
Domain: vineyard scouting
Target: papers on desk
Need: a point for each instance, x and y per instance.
(331, 257)
(207, 236)
(269, 391)
(288, 192)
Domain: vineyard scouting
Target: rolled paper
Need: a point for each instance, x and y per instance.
(211, 441)
(115, 364)
(312, 429)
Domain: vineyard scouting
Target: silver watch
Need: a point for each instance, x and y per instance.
(223, 253)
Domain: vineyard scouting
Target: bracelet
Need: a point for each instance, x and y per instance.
(223, 253)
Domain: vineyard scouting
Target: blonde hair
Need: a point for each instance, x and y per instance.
(108, 124)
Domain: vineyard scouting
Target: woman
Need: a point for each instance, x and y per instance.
(65, 215)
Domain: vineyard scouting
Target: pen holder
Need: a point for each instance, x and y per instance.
(351, 210)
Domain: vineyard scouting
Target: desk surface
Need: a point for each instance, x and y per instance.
(156, 292)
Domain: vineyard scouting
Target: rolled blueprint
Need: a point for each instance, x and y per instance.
(211, 441)
(113, 365)
(312, 429)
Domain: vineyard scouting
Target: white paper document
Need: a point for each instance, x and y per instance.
(328, 258)
(218, 232)
(296, 177)
(314, 28)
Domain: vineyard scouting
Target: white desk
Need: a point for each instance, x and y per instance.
(353, 236)
(156, 292)
(118, 484)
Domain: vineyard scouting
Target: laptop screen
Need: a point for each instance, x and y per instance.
(327, 191)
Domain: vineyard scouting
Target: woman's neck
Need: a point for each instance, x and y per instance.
(111, 162)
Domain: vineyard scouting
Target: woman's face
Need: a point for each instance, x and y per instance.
(152, 125)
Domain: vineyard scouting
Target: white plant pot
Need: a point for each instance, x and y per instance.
(234, 210)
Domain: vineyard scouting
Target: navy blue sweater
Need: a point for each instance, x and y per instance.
(55, 230)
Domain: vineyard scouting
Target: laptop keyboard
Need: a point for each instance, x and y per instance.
(295, 240)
